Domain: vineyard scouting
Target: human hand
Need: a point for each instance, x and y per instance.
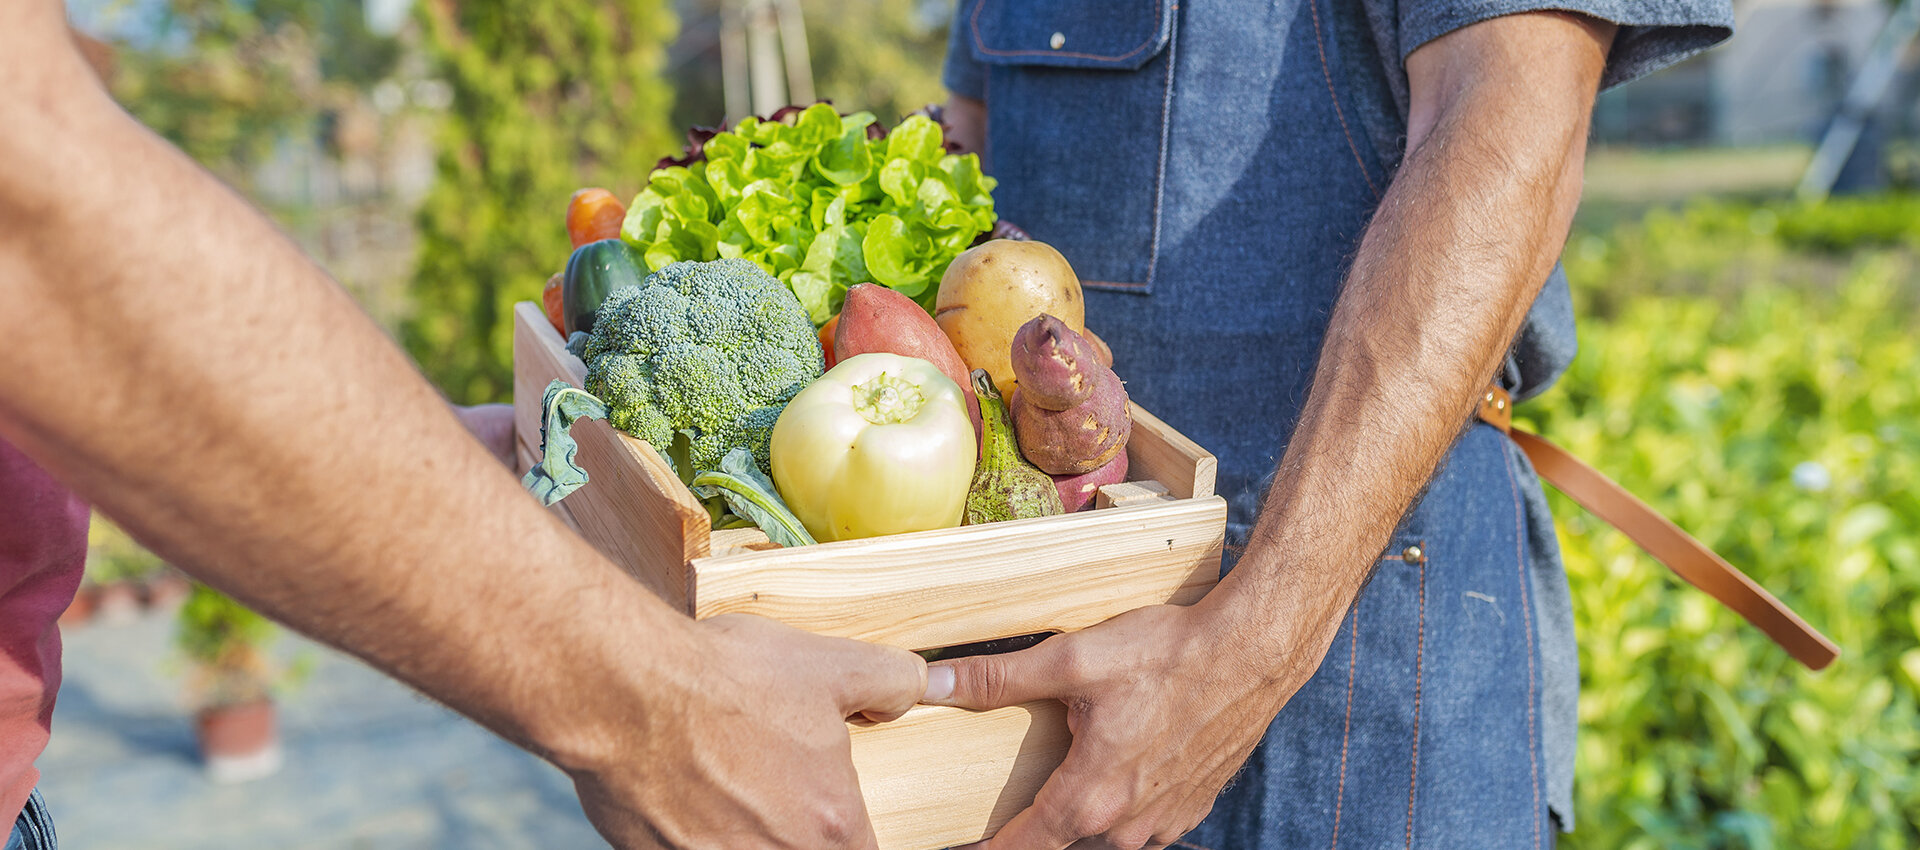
(492, 425)
(751, 750)
(1165, 704)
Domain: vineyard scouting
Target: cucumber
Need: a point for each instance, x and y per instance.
(594, 270)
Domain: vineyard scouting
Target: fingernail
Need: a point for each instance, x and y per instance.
(939, 683)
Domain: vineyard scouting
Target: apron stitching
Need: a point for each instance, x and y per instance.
(1419, 668)
(1189, 845)
(986, 143)
(1166, 122)
(1346, 734)
(1327, 73)
(1526, 617)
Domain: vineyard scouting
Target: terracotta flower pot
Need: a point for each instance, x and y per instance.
(119, 603)
(80, 610)
(239, 742)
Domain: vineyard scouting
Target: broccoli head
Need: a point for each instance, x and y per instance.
(712, 348)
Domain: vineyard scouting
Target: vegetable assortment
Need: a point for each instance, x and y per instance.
(817, 243)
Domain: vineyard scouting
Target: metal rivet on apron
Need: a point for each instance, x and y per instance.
(1058, 40)
(1413, 555)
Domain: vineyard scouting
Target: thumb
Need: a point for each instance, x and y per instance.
(982, 682)
(881, 682)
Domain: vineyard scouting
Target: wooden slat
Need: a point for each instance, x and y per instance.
(989, 766)
(1129, 493)
(1156, 451)
(733, 541)
(634, 509)
(959, 585)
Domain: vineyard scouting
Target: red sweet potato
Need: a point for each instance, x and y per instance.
(1077, 492)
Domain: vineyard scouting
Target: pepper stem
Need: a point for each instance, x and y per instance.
(888, 400)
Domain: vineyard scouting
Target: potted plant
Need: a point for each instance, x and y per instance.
(118, 568)
(231, 681)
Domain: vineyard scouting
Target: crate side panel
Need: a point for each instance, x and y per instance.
(1157, 452)
(942, 776)
(634, 510)
(539, 357)
(953, 586)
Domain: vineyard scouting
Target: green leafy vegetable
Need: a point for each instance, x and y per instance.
(750, 494)
(818, 203)
(557, 475)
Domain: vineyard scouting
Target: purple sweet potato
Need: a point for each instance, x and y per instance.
(1055, 368)
(1070, 410)
(1077, 492)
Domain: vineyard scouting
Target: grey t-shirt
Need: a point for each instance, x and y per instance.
(1222, 160)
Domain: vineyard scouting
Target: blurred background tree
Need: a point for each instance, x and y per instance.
(229, 82)
(548, 96)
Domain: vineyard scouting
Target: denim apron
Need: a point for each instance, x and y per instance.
(1208, 169)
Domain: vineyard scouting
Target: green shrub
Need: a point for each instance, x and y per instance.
(112, 556)
(1750, 370)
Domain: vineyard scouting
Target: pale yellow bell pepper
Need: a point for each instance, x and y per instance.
(881, 444)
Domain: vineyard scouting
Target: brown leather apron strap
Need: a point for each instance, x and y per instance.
(1665, 541)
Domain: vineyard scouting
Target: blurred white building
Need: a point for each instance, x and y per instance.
(1779, 79)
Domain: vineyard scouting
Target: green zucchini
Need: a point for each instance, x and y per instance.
(594, 270)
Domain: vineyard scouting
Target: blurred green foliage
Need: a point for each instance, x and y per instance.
(226, 644)
(1750, 370)
(112, 556)
(549, 96)
(228, 81)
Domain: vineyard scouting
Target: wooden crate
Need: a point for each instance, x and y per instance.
(938, 776)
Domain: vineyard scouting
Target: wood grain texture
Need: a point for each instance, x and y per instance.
(1156, 451)
(945, 776)
(958, 585)
(1130, 493)
(732, 541)
(633, 508)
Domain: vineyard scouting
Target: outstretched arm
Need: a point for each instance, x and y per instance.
(1445, 273)
(178, 362)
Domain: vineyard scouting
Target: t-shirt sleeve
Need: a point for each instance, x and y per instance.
(963, 74)
(1653, 33)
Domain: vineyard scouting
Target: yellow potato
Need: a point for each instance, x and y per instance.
(992, 289)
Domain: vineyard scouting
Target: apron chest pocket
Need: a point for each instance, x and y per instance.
(1078, 94)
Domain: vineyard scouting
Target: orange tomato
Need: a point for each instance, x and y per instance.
(550, 300)
(826, 339)
(593, 215)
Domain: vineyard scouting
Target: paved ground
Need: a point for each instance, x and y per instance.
(369, 764)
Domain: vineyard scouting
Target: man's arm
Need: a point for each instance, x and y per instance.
(1445, 273)
(178, 362)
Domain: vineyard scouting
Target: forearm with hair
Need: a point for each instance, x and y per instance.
(183, 366)
(1466, 233)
